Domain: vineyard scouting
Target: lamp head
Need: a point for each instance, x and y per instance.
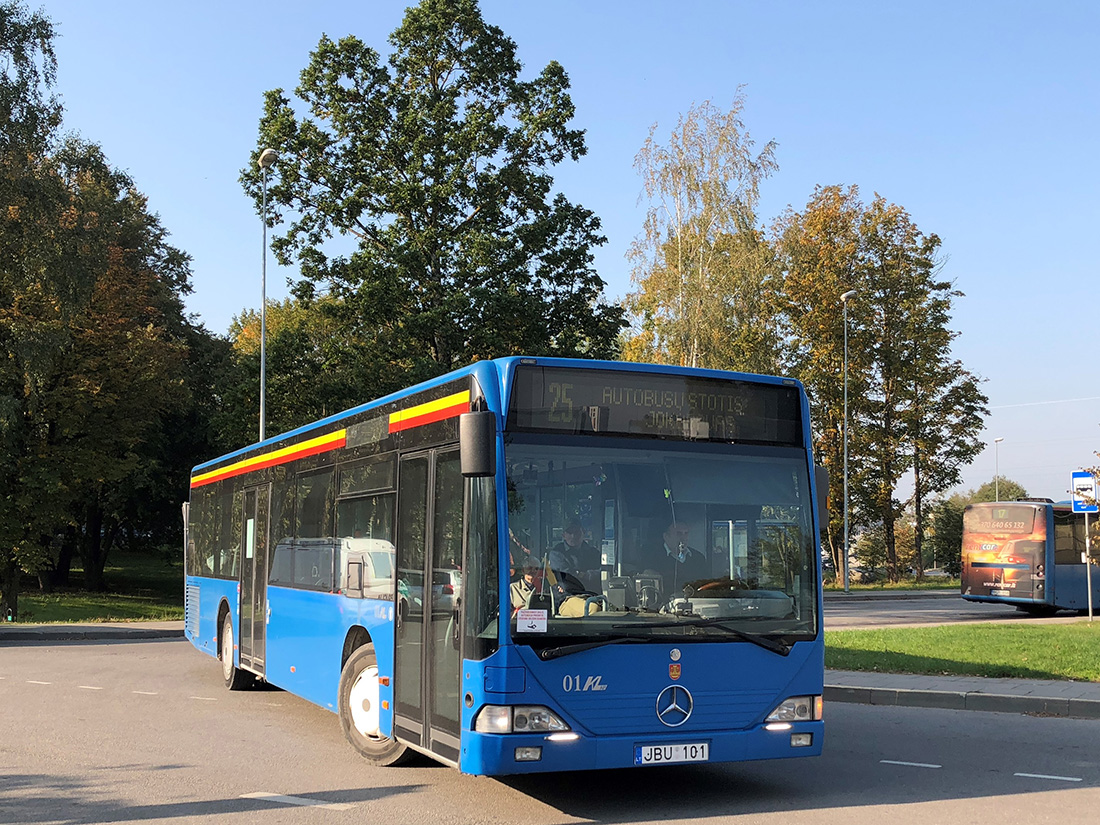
(267, 157)
(851, 293)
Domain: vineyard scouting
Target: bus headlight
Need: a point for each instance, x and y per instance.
(518, 719)
(797, 709)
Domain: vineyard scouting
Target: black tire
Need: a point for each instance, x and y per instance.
(235, 678)
(360, 707)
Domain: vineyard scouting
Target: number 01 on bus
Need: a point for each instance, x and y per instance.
(529, 565)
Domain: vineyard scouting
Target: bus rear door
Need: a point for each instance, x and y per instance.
(253, 607)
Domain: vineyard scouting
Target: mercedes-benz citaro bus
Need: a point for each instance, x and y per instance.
(638, 553)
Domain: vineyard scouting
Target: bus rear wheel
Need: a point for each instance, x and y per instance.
(360, 710)
(235, 678)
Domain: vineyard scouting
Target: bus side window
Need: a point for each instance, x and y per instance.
(313, 565)
(1067, 548)
(282, 566)
(314, 511)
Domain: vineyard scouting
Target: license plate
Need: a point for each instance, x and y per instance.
(1000, 593)
(671, 754)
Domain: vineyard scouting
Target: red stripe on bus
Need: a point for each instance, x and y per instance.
(283, 459)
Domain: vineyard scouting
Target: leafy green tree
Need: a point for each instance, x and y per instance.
(28, 114)
(945, 540)
(999, 488)
(912, 407)
(437, 167)
(307, 346)
(28, 119)
(944, 416)
(100, 370)
(704, 272)
(819, 249)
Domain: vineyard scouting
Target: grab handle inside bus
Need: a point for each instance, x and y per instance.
(477, 439)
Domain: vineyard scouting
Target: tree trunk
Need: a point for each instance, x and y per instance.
(57, 575)
(918, 507)
(9, 590)
(890, 539)
(93, 547)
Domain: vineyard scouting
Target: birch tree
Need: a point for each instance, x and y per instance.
(701, 267)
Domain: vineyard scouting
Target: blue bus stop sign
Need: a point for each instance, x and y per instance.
(1084, 491)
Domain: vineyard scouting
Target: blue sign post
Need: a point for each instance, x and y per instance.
(1083, 486)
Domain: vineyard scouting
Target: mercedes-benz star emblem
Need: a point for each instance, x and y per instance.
(674, 705)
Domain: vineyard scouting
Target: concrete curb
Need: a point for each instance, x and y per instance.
(83, 633)
(965, 700)
(875, 595)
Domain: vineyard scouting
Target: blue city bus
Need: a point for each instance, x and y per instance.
(1029, 553)
(529, 565)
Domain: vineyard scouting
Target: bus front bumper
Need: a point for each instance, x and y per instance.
(498, 754)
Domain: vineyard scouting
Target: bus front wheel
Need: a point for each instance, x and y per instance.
(235, 678)
(360, 710)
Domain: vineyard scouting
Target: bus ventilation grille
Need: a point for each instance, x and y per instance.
(191, 611)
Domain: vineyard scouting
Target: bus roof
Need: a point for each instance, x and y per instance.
(500, 372)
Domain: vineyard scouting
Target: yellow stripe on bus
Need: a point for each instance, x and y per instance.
(431, 406)
(272, 456)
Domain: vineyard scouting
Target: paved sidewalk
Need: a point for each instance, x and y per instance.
(1052, 697)
(1037, 696)
(91, 631)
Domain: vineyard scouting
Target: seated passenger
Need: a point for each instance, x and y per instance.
(574, 554)
(522, 588)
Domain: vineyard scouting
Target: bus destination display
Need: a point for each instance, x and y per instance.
(552, 399)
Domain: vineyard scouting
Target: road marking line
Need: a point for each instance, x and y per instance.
(205, 698)
(33, 682)
(297, 800)
(1046, 776)
(909, 764)
(89, 687)
(146, 692)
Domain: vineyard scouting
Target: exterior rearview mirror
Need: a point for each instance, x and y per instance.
(477, 440)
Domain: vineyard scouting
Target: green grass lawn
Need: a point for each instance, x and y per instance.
(1021, 650)
(141, 587)
(937, 583)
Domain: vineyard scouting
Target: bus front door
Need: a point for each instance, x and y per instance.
(427, 673)
(254, 577)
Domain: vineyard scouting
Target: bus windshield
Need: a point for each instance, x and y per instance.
(662, 541)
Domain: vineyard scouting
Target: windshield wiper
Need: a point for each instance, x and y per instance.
(564, 650)
(774, 645)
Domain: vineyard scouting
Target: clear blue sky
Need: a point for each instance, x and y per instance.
(981, 119)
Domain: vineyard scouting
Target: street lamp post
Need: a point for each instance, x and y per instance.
(997, 468)
(267, 157)
(844, 301)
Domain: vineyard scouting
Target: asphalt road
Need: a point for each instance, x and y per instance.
(889, 610)
(144, 732)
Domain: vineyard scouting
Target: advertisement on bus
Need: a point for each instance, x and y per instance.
(1003, 551)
